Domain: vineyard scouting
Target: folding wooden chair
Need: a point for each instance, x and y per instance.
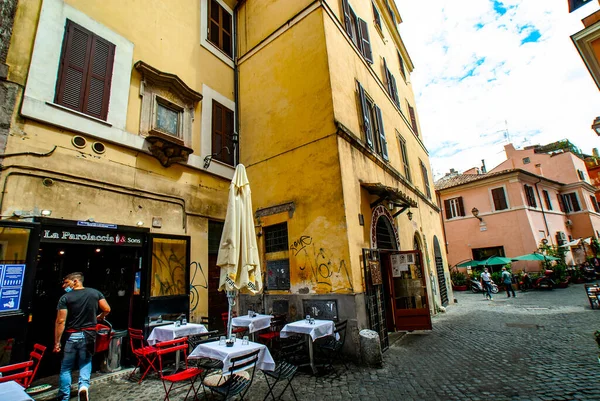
(145, 354)
(238, 381)
(24, 372)
(189, 374)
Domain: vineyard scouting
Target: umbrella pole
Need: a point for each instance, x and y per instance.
(231, 303)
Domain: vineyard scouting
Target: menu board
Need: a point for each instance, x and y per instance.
(11, 286)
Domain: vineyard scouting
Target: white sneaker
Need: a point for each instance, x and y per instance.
(83, 394)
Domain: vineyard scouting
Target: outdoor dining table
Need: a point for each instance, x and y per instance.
(11, 390)
(254, 324)
(312, 331)
(223, 353)
(171, 332)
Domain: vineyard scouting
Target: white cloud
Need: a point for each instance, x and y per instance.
(538, 92)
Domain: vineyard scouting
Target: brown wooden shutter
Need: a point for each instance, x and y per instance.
(381, 132)
(365, 115)
(347, 17)
(75, 59)
(561, 203)
(85, 72)
(461, 207)
(364, 41)
(376, 16)
(97, 94)
(401, 61)
(413, 119)
(395, 91)
(386, 73)
(499, 199)
(222, 134)
(575, 202)
(447, 209)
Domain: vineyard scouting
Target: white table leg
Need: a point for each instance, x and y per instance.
(177, 359)
(310, 353)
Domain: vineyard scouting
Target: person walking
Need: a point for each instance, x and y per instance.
(75, 332)
(486, 282)
(507, 280)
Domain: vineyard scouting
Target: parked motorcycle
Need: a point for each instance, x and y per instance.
(544, 282)
(477, 287)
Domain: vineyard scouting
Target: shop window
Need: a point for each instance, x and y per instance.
(85, 72)
(168, 274)
(13, 253)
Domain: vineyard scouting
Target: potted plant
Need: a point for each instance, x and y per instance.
(459, 281)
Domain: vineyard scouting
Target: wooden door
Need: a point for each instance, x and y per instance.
(408, 288)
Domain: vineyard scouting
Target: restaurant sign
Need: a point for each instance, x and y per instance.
(77, 235)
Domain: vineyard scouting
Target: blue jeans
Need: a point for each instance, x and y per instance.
(75, 349)
(487, 286)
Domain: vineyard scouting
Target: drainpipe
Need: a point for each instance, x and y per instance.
(542, 207)
(236, 95)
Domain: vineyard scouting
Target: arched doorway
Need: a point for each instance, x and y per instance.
(386, 237)
(439, 266)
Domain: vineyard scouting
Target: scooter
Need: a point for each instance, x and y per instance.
(544, 282)
(477, 287)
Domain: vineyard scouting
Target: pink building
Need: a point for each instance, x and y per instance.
(540, 192)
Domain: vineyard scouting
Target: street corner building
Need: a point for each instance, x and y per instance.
(120, 132)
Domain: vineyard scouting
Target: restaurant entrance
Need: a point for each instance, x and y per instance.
(108, 256)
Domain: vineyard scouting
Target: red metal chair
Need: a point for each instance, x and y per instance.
(145, 354)
(234, 330)
(277, 323)
(189, 374)
(25, 370)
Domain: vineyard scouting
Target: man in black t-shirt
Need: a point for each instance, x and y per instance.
(75, 327)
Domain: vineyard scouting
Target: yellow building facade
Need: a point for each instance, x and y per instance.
(119, 156)
(330, 138)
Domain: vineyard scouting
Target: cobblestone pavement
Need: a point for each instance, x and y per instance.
(538, 346)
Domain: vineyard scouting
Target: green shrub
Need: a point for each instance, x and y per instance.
(458, 278)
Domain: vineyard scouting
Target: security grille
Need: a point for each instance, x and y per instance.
(375, 299)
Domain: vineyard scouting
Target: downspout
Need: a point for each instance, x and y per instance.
(236, 95)
(542, 206)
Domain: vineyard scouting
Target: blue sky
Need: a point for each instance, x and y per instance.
(491, 72)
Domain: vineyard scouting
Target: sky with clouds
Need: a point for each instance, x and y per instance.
(490, 72)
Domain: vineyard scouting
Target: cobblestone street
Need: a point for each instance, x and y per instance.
(538, 346)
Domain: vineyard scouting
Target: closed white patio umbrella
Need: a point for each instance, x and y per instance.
(238, 252)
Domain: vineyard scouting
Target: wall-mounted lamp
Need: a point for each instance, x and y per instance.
(596, 126)
(544, 241)
(209, 158)
(475, 213)
(46, 212)
(139, 223)
(409, 215)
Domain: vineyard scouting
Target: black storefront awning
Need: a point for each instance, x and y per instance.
(390, 194)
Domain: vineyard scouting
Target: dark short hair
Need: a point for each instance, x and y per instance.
(74, 276)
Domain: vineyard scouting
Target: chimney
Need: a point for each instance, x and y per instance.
(595, 152)
(483, 170)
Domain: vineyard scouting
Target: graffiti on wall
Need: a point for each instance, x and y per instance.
(168, 268)
(196, 270)
(317, 267)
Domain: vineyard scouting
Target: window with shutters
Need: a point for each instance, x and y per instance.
(358, 30)
(404, 154)
(402, 70)
(454, 208)
(594, 203)
(571, 202)
(222, 134)
(499, 199)
(85, 72)
(530, 196)
(391, 87)
(561, 203)
(373, 128)
(547, 200)
(376, 18)
(581, 175)
(425, 179)
(220, 27)
(413, 119)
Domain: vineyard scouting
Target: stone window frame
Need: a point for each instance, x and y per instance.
(206, 43)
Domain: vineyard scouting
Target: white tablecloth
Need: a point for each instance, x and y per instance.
(170, 332)
(223, 353)
(321, 328)
(253, 324)
(13, 391)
